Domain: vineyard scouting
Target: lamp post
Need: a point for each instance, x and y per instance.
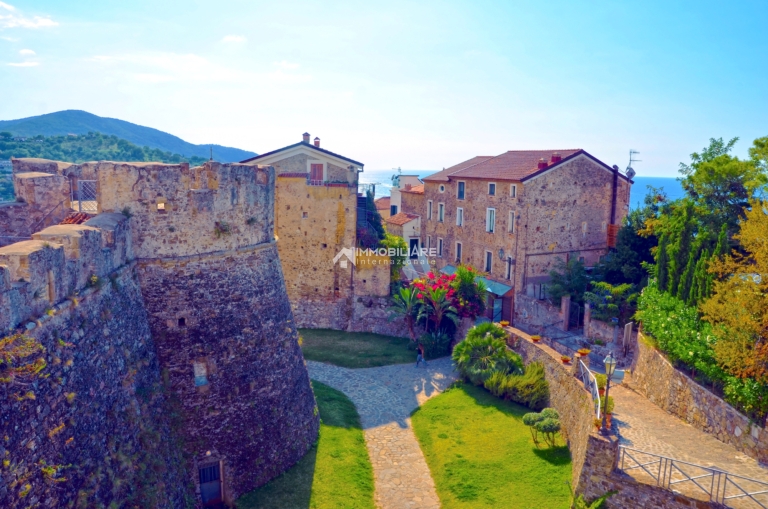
(610, 366)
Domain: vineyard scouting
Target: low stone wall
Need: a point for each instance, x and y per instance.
(93, 427)
(600, 330)
(655, 377)
(594, 457)
(535, 312)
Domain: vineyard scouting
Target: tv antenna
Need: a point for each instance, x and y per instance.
(629, 171)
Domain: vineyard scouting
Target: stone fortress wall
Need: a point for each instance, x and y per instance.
(212, 315)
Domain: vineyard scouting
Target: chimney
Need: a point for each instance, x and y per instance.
(317, 141)
(556, 157)
(542, 163)
(305, 137)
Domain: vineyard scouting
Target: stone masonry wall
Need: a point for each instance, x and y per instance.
(594, 457)
(655, 377)
(534, 312)
(93, 428)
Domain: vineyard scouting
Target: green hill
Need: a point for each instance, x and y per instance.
(81, 122)
(78, 149)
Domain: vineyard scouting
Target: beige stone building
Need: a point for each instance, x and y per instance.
(513, 215)
(316, 216)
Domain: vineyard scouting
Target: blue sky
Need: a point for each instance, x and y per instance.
(420, 85)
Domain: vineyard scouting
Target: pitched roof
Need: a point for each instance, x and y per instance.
(382, 203)
(511, 165)
(415, 189)
(401, 218)
(307, 145)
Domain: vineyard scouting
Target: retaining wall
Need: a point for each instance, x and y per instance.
(655, 377)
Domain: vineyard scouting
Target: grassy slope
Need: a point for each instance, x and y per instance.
(335, 473)
(481, 454)
(355, 349)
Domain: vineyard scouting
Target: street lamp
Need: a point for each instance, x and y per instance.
(610, 367)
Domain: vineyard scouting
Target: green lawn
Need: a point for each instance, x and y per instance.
(481, 454)
(335, 474)
(355, 349)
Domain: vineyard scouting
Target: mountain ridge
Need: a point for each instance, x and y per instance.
(82, 122)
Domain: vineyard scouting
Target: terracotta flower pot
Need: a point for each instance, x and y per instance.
(601, 392)
(608, 420)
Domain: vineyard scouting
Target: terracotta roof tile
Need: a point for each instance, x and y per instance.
(382, 203)
(76, 218)
(512, 165)
(415, 189)
(401, 218)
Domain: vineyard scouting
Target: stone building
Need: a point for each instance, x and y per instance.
(400, 182)
(513, 215)
(167, 300)
(318, 212)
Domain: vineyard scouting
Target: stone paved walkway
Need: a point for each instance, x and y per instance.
(385, 397)
(648, 428)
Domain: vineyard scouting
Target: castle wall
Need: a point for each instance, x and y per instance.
(92, 428)
(256, 410)
(213, 291)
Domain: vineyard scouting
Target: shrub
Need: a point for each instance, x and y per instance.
(436, 343)
(484, 352)
(546, 422)
(607, 404)
(602, 380)
(529, 389)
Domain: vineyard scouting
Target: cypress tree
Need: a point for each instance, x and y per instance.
(699, 284)
(681, 253)
(662, 264)
(722, 242)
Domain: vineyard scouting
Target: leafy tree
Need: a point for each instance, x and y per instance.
(470, 292)
(436, 307)
(398, 260)
(662, 264)
(609, 301)
(407, 304)
(738, 308)
(567, 278)
(546, 422)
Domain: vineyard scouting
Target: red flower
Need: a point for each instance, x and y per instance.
(419, 296)
(431, 275)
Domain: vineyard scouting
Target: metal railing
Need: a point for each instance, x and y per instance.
(84, 196)
(694, 480)
(590, 383)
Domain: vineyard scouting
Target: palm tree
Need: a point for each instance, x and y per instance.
(407, 304)
(437, 306)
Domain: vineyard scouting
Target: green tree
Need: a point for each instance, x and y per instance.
(437, 306)
(399, 258)
(470, 292)
(484, 352)
(407, 305)
(567, 278)
(611, 301)
(662, 264)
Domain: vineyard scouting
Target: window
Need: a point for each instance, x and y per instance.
(488, 261)
(511, 225)
(440, 248)
(492, 189)
(316, 173)
(513, 190)
(442, 188)
(440, 212)
(429, 210)
(459, 216)
(581, 259)
(392, 210)
(458, 252)
(509, 267)
(584, 229)
(490, 220)
(429, 244)
(201, 373)
(460, 193)
(182, 322)
(604, 226)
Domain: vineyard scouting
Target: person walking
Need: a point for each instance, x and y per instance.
(420, 355)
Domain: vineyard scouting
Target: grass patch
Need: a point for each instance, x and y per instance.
(355, 349)
(481, 455)
(335, 473)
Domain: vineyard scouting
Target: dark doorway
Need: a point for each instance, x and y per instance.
(210, 484)
(497, 306)
(413, 248)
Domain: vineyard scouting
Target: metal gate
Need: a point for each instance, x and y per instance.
(84, 196)
(210, 484)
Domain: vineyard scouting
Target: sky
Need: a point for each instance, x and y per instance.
(418, 85)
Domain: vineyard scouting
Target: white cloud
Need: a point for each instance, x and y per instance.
(18, 20)
(24, 64)
(234, 38)
(27, 52)
(9, 39)
(286, 65)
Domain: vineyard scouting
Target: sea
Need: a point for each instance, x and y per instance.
(640, 188)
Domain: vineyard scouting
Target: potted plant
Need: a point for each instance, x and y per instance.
(601, 382)
(597, 422)
(565, 359)
(607, 410)
(535, 338)
(504, 323)
(584, 351)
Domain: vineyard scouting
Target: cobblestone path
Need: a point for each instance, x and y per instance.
(385, 397)
(648, 428)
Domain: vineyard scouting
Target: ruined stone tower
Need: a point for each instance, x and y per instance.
(199, 244)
